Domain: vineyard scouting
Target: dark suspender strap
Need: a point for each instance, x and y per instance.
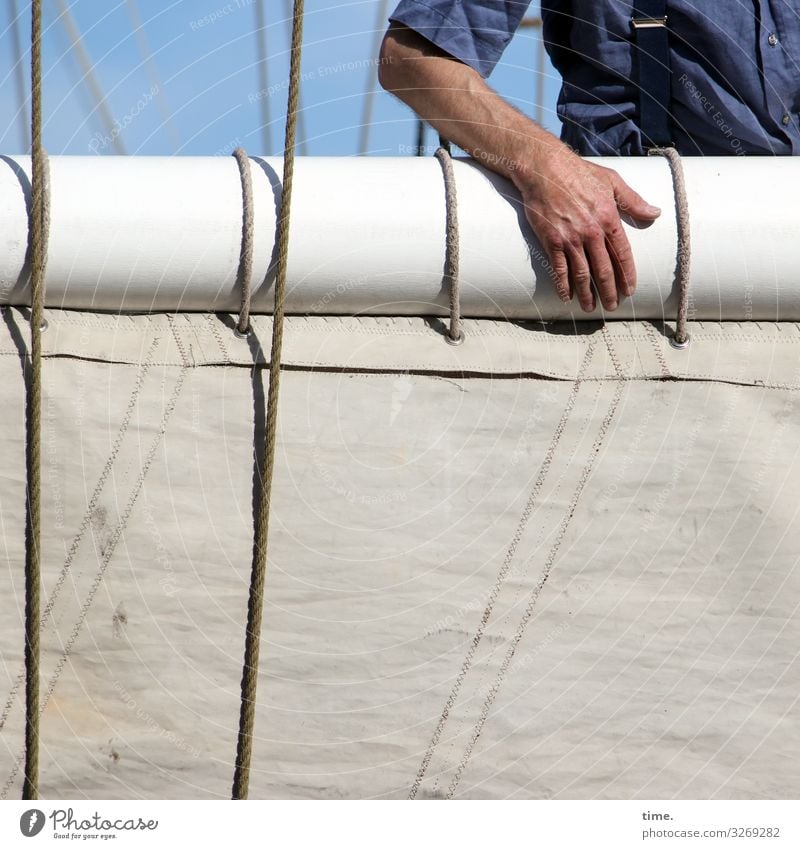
(649, 24)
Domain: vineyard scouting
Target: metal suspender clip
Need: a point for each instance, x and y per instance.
(648, 23)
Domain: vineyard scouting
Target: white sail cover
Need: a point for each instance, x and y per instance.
(550, 563)
(368, 237)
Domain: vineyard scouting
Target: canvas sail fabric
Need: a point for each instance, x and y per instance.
(554, 562)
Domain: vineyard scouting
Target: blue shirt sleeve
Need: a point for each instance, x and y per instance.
(473, 32)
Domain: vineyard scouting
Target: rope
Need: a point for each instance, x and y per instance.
(680, 338)
(455, 335)
(248, 229)
(302, 135)
(38, 234)
(244, 751)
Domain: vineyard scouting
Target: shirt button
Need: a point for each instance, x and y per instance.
(785, 119)
(772, 40)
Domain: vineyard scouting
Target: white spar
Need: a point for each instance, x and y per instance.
(368, 237)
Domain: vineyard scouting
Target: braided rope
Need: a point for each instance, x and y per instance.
(244, 751)
(680, 338)
(38, 234)
(248, 230)
(455, 335)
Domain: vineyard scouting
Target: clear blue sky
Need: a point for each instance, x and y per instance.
(207, 97)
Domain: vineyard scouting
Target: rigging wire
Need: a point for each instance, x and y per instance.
(541, 76)
(19, 72)
(76, 41)
(420, 146)
(263, 75)
(369, 95)
(153, 75)
(541, 66)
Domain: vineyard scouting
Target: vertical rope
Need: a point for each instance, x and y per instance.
(302, 135)
(244, 750)
(455, 335)
(38, 233)
(680, 338)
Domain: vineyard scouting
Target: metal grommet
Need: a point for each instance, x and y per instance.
(455, 340)
(44, 325)
(239, 335)
(680, 346)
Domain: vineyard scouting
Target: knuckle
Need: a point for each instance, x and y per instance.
(594, 232)
(575, 240)
(608, 217)
(619, 247)
(604, 274)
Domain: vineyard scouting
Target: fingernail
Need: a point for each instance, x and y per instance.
(654, 209)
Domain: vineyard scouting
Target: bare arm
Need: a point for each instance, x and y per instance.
(572, 205)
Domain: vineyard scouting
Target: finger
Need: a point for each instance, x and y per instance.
(631, 202)
(561, 273)
(580, 276)
(621, 254)
(602, 272)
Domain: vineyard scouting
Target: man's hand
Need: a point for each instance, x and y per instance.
(574, 208)
(572, 205)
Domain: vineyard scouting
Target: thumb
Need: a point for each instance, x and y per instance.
(633, 204)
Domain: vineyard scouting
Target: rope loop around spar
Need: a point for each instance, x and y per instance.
(680, 338)
(455, 333)
(245, 270)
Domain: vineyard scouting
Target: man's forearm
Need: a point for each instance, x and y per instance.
(455, 100)
(572, 205)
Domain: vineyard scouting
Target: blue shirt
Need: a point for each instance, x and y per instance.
(735, 83)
